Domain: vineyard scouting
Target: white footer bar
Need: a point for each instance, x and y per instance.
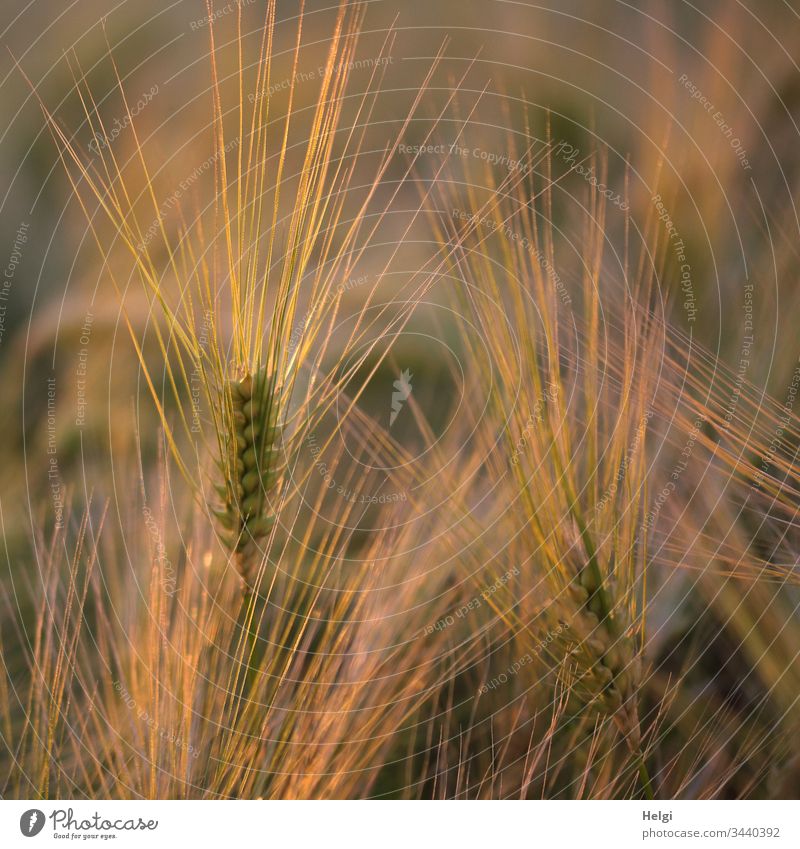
(400, 825)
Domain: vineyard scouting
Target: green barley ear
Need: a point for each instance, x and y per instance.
(603, 657)
(596, 603)
(251, 468)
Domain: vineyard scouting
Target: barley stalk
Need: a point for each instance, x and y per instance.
(572, 415)
(255, 330)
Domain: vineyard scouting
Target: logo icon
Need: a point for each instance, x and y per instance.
(402, 388)
(31, 822)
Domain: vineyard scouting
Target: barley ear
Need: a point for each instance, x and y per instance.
(604, 662)
(252, 469)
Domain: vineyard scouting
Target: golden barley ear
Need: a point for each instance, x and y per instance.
(251, 468)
